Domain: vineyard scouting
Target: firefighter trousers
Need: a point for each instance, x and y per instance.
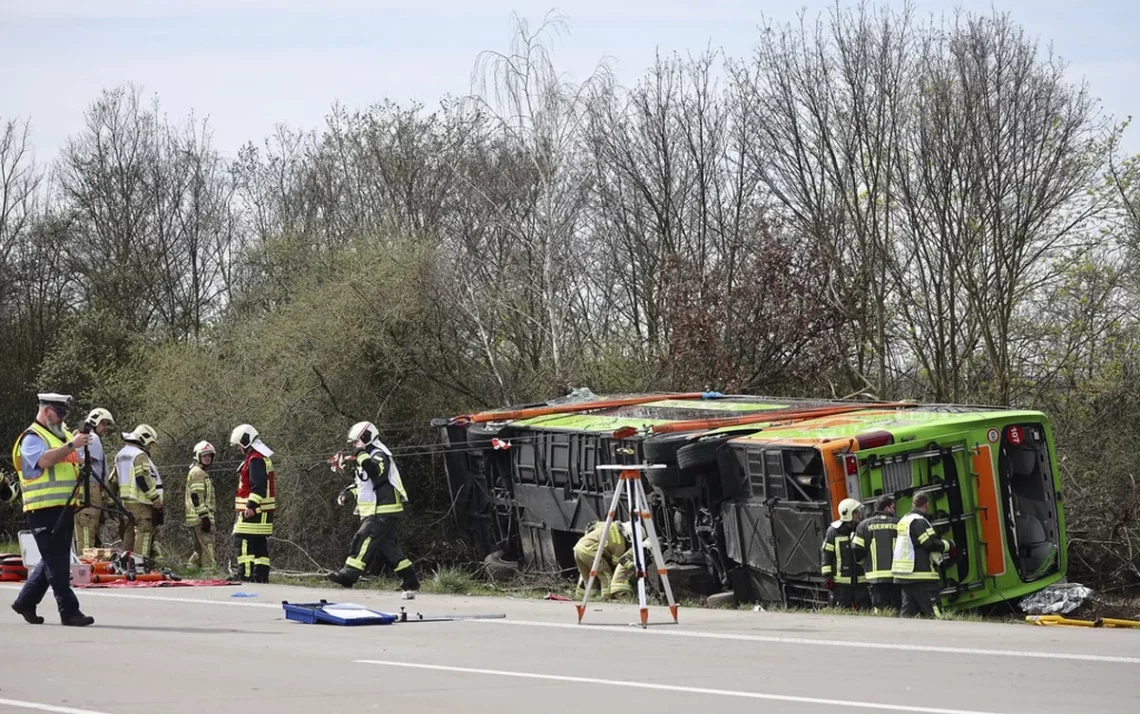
(203, 542)
(613, 581)
(377, 541)
(850, 597)
(88, 519)
(252, 557)
(921, 598)
(885, 596)
(139, 539)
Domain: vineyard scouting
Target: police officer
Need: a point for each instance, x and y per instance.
(89, 516)
(200, 506)
(140, 487)
(380, 498)
(873, 546)
(840, 567)
(918, 550)
(255, 504)
(48, 467)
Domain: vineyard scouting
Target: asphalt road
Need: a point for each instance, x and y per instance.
(196, 650)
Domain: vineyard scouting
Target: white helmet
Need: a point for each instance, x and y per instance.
(243, 435)
(143, 435)
(100, 415)
(847, 508)
(201, 449)
(627, 531)
(363, 431)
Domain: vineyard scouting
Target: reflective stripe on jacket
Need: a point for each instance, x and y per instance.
(838, 560)
(138, 476)
(198, 484)
(874, 545)
(916, 548)
(53, 487)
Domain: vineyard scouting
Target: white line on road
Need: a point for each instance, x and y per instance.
(898, 646)
(46, 707)
(84, 592)
(677, 688)
(699, 634)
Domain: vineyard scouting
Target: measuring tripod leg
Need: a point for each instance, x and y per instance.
(598, 555)
(655, 545)
(631, 491)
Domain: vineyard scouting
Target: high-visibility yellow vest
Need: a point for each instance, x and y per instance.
(903, 559)
(54, 485)
(368, 499)
(128, 468)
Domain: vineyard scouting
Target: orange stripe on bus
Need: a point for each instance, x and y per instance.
(989, 516)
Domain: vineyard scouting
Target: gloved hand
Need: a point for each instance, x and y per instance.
(951, 548)
(205, 524)
(341, 498)
(830, 584)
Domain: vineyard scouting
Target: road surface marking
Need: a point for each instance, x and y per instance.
(898, 646)
(677, 688)
(46, 707)
(84, 592)
(769, 639)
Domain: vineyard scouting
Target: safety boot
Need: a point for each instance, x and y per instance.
(76, 619)
(28, 612)
(342, 577)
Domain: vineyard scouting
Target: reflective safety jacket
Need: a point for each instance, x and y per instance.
(256, 490)
(377, 487)
(918, 549)
(838, 561)
(138, 476)
(199, 498)
(873, 546)
(53, 487)
(618, 549)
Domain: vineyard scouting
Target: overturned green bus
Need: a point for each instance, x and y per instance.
(753, 482)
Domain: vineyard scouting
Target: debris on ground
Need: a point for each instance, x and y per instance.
(1059, 599)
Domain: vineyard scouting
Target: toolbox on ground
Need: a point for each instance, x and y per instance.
(332, 613)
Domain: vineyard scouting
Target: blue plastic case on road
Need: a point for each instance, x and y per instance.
(332, 613)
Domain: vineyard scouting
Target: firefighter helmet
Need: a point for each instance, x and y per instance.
(202, 448)
(243, 435)
(143, 435)
(847, 508)
(98, 416)
(363, 431)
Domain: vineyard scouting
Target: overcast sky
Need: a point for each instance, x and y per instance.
(248, 64)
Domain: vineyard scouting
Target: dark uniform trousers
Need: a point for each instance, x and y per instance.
(849, 596)
(921, 598)
(884, 595)
(54, 568)
(376, 543)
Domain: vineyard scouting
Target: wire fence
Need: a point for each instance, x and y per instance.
(311, 532)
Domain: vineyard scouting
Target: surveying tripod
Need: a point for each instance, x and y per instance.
(84, 481)
(637, 506)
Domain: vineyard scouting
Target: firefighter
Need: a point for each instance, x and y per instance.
(90, 514)
(47, 465)
(139, 488)
(873, 547)
(380, 499)
(840, 567)
(254, 503)
(616, 568)
(918, 551)
(200, 506)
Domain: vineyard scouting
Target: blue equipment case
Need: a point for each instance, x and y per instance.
(331, 613)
